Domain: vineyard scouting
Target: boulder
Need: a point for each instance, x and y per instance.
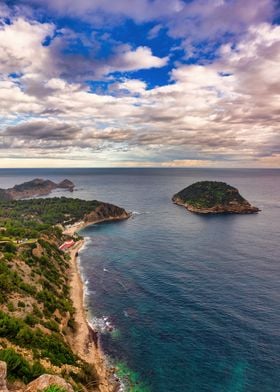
(3, 377)
(47, 380)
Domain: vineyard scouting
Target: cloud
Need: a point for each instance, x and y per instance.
(130, 60)
(129, 86)
(21, 48)
(204, 19)
(226, 110)
(42, 130)
(154, 32)
(139, 10)
(194, 22)
(23, 51)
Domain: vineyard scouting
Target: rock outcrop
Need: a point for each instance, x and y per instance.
(212, 197)
(36, 187)
(3, 376)
(39, 384)
(106, 211)
(46, 380)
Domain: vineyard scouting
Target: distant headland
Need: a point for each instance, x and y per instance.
(36, 187)
(213, 197)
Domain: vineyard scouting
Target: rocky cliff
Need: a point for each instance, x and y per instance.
(213, 197)
(104, 212)
(36, 187)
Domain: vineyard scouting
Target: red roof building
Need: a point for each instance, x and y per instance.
(67, 245)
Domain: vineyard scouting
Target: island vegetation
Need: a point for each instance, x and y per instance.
(213, 197)
(36, 312)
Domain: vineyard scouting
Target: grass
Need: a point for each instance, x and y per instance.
(54, 388)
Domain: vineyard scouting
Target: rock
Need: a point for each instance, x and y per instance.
(213, 197)
(66, 184)
(3, 377)
(47, 380)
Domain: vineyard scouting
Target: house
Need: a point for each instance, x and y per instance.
(66, 245)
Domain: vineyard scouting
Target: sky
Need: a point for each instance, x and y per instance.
(139, 83)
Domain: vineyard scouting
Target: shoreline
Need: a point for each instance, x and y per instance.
(85, 341)
(77, 226)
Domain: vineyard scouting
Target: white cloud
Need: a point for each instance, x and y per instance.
(131, 86)
(22, 51)
(224, 111)
(21, 48)
(154, 32)
(139, 10)
(140, 58)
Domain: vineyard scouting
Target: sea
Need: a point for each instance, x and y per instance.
(193, 301)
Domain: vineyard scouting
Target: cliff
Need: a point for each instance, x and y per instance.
(37, 314)
(36, 187)
(213, 197)
(106, 211)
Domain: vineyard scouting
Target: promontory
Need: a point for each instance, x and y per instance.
(213, 197)
(36, 187)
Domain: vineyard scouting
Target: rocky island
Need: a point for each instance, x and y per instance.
(36, 187)
(45, 339)
(213, 197)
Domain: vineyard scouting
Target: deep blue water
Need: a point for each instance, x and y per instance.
(195, 299)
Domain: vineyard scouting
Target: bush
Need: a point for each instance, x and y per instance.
(10, 247)
(11, 307)
(51, 346)
(52, 325)
(31, 320)
(54, 388)
(19, 368)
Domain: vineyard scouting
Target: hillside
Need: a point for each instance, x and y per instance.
(37, 317)
(213, 197)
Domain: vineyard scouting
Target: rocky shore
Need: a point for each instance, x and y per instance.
(85, 342)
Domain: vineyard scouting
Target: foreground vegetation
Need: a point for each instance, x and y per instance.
(36, 312)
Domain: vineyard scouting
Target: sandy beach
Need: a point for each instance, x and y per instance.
(85, 340)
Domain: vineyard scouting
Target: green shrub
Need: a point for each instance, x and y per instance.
(9, 247)
(31, 320)
(51, 346)
(54, 388)
(28, 288)
(19, 368)
(37, 312)
(11, 307)
(52, 325)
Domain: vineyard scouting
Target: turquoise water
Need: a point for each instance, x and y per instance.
(194, 299)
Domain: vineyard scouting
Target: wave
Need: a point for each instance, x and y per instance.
(140, 213)
(101, 324)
